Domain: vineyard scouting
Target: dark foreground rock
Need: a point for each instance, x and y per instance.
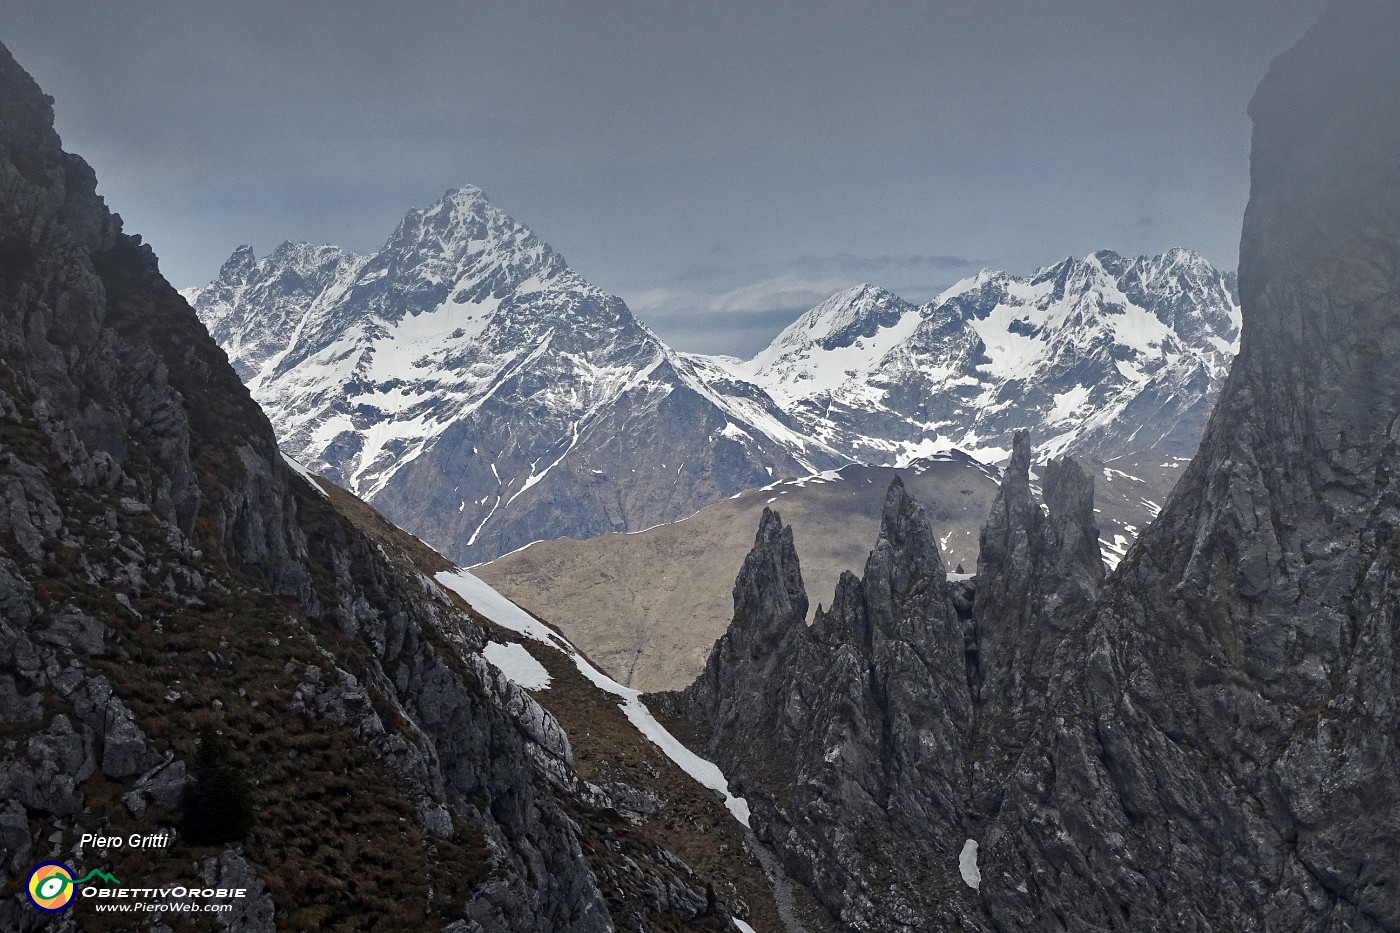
(1207, 741)
(163, 571)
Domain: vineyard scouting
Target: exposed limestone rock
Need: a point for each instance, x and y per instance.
(15, 839)
(253, 913)
(161, 785)
(846, 737)
(1208, 741)
(162, 571)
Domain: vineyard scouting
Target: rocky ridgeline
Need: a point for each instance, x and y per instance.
(1204, 741)
(163, 570)
(865, 741)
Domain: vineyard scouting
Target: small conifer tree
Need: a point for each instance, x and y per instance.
(218, 803)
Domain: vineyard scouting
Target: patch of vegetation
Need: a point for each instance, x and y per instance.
(218, 803)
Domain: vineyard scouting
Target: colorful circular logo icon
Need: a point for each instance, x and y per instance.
(51, 887)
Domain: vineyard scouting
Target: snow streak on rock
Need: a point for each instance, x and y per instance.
(502, 611)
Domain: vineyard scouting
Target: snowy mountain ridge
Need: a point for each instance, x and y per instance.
(1098, 356)
(484, 395)
(468, 340)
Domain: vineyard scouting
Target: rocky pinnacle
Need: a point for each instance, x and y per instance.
(1207, 741)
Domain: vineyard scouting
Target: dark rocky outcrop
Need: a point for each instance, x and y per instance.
(864, 741)
(162, 570)
(847, 736)
(1208, 741)
(1038, 575)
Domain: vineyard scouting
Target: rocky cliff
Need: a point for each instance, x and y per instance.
(1207, 740)
(163, 570)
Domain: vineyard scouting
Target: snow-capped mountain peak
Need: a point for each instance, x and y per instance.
(845, 337)
(849, 315)
(462, 248)
(462, 376)
(1095, 353)
(257, 308)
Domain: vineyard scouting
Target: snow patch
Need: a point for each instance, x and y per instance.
(734, 432)
(305, 474)
(485, 600)
(1068, 403)
(518, 664)
(967, 865)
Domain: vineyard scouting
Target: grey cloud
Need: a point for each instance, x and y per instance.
(910, 262)
(904, 143)
(784, 291)
(729, 334)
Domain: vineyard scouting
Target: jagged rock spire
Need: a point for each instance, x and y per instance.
(907, 548)
(769, 598)
(1015, 530)
(1072, 537)
(1034, 570)
(770, 617)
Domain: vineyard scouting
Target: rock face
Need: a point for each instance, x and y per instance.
(861, 741)
(163, 570)
(1241, 671)
(1207, 741)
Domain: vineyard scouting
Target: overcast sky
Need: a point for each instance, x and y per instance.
(721, 165)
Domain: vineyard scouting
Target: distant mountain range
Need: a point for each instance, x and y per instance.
(1097, 356)
(484, 395)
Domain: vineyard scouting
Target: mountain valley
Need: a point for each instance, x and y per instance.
(428, 589)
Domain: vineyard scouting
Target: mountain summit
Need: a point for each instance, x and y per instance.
(476, 389)
(1099, 356)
